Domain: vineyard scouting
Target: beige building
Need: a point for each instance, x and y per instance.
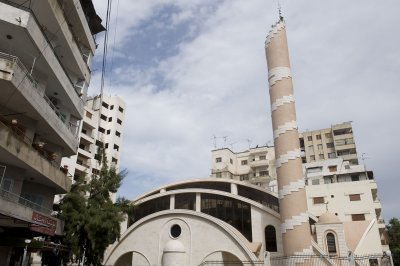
(252, 165)
(351, 193)
(46, 49)
(328, 143)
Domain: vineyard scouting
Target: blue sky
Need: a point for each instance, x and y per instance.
(191, 70)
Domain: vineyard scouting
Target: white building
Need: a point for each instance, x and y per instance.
(334, 185)
(45, 54)
(102, 124)
(217, 221)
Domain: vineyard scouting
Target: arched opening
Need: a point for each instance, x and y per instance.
(331, 243)
(270, 239)
(222, 258)
(124, 260)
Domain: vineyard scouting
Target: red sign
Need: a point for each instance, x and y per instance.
(44, 224)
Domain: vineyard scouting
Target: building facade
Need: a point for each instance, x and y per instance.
(45, 55)
(328, 143)
(102, 125)
(252, 165)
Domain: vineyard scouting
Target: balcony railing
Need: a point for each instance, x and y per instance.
(15, 60)
(20, 134)
(11, 197)
(28, 9)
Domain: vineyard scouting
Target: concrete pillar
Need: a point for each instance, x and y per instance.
(295, 228)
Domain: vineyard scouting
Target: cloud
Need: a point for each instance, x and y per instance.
(191, 70)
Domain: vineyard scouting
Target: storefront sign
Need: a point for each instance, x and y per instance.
(44, 224)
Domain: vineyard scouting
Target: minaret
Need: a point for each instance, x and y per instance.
(295, 227)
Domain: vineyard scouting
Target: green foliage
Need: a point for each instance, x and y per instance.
(393, 230)
(92, 219)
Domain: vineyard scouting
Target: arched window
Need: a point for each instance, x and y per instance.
(331, 243)
(270, 239)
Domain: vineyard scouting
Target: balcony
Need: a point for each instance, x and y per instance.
(29, 41)
(258, 163)
(16, 149)
(15, 207)
(28, 97)
(87, 137)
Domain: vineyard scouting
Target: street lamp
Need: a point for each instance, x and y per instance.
(27, 241)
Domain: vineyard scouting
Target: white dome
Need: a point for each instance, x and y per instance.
(174, 246)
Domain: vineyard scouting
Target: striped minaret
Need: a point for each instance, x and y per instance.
(295, 228)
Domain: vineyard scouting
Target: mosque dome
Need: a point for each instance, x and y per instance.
(328, 218)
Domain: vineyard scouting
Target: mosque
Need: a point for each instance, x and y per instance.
(213, 221)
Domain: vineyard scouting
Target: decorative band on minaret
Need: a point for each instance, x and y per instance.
(295, 226)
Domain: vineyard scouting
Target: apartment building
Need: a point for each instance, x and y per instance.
(46, 49)
(102, 124)
(328, 143)
(351, 193)
(253, 165)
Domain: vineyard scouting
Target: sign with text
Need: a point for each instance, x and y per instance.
(45, 225)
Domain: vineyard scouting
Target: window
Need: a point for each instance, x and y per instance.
(185, 201)
(89, 114)
(119, 121)
(95, 171)
(329, 145)
(117, 134)
(121, 109)
(312, 157)
(111, 107)
(232, 211)
(332, 168)
(318, 136)
(244, 177)
(263, 173)
(230, 160)
(270, 239)
(219, 174)
(321, 156)
(318, 200)
(102, 130)
(263, 157)
(105, 105)
(108, 132)
(331, 155)
(358, 217)
(84, 131)
(109, 119)
(244, 162)
(328, 135)
(309, 138)
(355, 178)
(218, 159)
(319, 146)
(331, 243)
(116, 147)
(103, 117)
(106, 146)
(114, 160)
(355, 197)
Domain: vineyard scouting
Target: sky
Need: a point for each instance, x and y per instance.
(194, 71)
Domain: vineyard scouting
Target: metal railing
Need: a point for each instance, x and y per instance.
(14, 59)
(11, 197)
(312, 260)
(28, 9)
(232, 263)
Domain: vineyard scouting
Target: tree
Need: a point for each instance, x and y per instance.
(393, 230)
(92, 219)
